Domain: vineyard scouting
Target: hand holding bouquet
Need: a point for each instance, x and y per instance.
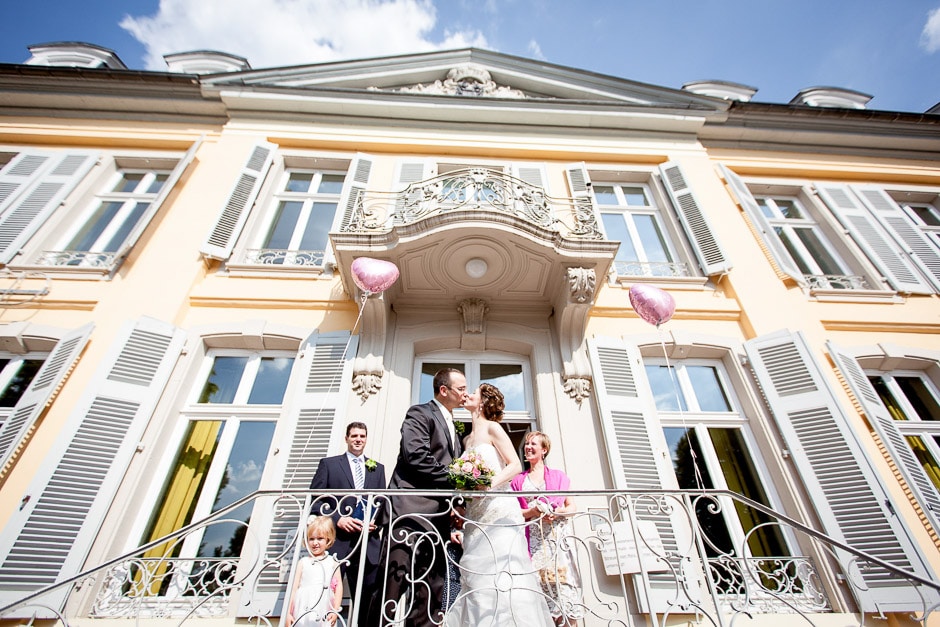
(469, 471)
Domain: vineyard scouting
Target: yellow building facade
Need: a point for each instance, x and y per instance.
(183, 336)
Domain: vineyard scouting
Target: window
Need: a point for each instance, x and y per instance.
(923, 210)
(229, 430)
(806, 244)
(630, 216)
(104, 226)
(913, 401)
(295, 232)
(708, 441)
(81, 211)
(510, 376)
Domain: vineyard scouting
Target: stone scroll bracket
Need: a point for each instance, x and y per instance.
(571, 314)
(368, 367)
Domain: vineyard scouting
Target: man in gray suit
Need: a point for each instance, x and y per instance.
(421, 523)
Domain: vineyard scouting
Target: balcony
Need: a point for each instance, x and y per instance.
(643, 559)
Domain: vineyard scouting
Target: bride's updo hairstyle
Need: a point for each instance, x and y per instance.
(491, 402)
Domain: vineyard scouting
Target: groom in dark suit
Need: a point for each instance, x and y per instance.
(421, 523)
(350, 471)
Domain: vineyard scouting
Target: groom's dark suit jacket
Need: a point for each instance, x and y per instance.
(423, 457)
(333, 473)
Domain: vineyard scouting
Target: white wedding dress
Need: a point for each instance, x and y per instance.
(498, 584)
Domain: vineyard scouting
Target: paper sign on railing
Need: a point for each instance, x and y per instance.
(620, 553)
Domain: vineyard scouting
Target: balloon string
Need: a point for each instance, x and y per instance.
(333, 381)
(699, 483)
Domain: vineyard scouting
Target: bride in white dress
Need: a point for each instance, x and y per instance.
(498, 584)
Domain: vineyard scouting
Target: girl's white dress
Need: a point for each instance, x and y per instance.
(312, 598)
(499, 586)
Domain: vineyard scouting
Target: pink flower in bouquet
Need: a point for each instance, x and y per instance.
(467, 468)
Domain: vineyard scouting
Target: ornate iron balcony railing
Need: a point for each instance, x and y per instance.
(272, 257)
(474, 189)
(836, 282)
(652, 268)
(76, 258)
(630, 547)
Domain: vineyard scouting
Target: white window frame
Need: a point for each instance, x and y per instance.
(46, 250)
(664, 210)
(9, 371)
(627, 211)
(930, 200)
(700, 421)
(914, 426)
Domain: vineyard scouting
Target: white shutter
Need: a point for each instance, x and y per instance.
(222, 239)
(697, 228)
(157, 202)
(754, 213)
(19, 173)
(357, 179)
(326, 362)
(638, 457)
(34, 204)
(886, 427)
(579, 184)
(851, 502)
(923, 252)
(871, 238)
(531, 173)
(410, 172)
(41, 390)
(48, 538)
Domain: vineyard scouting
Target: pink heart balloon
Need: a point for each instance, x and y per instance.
(654, 305)
(374, 275)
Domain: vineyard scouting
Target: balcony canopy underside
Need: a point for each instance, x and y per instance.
(448, 257)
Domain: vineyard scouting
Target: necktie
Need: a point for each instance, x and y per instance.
(360, 477)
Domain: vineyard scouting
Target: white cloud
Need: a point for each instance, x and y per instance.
(930, 36)
(271, 33)
(535, 50)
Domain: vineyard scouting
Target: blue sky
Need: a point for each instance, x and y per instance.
(889, 49)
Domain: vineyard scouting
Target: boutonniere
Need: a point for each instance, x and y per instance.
(371, 464)
(459, 427)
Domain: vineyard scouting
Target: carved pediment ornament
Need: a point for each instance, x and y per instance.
(571, 312)
(468, 79)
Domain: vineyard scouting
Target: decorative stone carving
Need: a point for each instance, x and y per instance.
(571, 313)
(474, 311)
(582, 283)
(468, 79)
(365, 384)
(578, 388)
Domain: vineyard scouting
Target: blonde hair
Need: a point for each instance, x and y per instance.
(324, 525)
(543, 440)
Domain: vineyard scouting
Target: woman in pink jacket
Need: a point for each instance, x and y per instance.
(550, 535)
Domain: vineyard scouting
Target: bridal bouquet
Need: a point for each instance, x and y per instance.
(469, 471)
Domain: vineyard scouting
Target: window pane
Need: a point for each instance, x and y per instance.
(617, 231)
(926, 459)
(765, 208)
(691, 473)
(740, 475)
(665, 389)
(242, 477)
(635, 196)
(651, 238)
(331, 184)
(128, 182)
(605, 195)
(298, 181)
(928, 214)
(86, 237)
(20, 381)
(795, 253)
(157, 183)
(223, 380)
(285, 221)
(708, 390)
(884, 392)
(318, 225)
(428, 370)
(508, 378)
(125, 228)
(819, 251)
(917, 393)
(271, 381)
(789, 209)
